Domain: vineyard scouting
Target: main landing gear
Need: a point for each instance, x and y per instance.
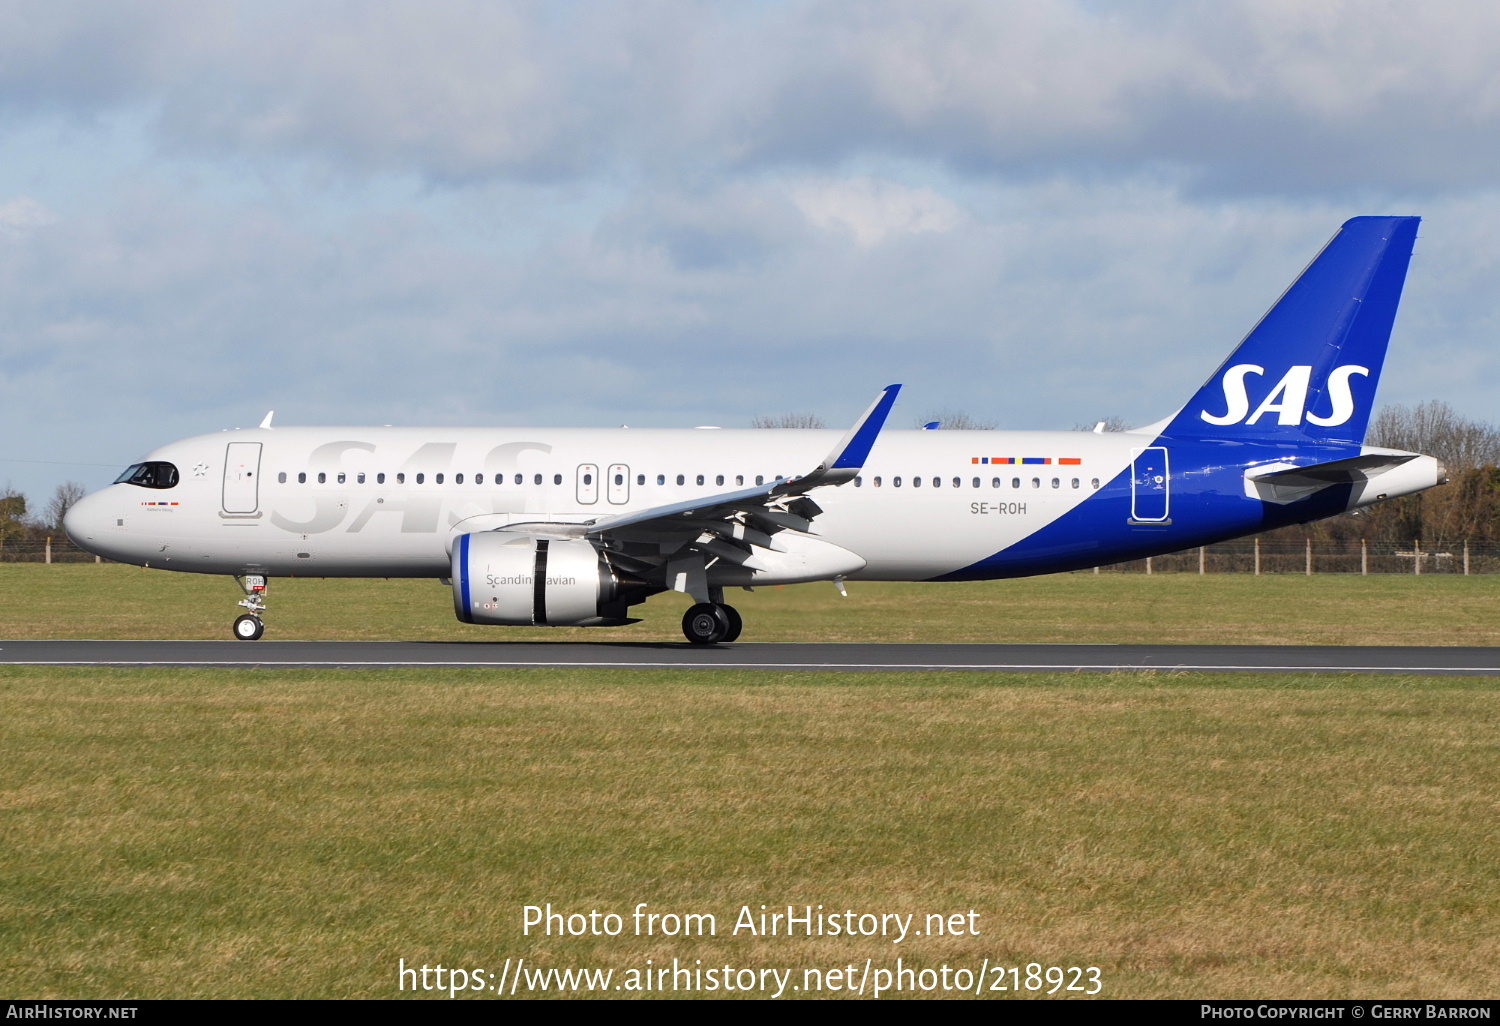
(249, 626)
(709, 623)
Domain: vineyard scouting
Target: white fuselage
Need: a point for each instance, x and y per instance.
(388, 502)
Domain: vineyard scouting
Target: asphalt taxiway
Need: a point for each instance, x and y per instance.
(1446, 661)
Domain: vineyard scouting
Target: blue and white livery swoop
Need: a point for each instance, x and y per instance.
(574, 527)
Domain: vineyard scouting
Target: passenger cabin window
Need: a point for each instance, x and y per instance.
(518, 479)
(557, 479)
(155, 474)
(895, 482)
(1015, 482)
(661, 479)
(700, 478)
(281, 478)
(401, 478)
(1056, 483)
(322, 477)
(759, 479)
(478, 478)
(302, 478)
(859, 482)
(1036, 482)
(640, 479)
(681, 479)
(538, 479)
(719, 480)
(994, 482)
(380, 479)
(958, 482)
(1075, 482)
(438, 479)
(457, 479)
(916, 482)
(360, 477)
(341, 477)
(876, 482)
(739, 479)
(1095, 482)
(421, 477)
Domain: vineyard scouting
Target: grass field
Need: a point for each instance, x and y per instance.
(112, 601)
(295, 833)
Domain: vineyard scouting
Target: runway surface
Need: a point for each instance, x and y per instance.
(758, 656)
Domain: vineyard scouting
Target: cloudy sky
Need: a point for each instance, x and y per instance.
(668, 213)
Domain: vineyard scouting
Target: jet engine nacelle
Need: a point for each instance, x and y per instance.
(503, 579)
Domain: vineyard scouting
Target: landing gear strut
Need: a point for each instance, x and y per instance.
(710, 623)
(249, 626)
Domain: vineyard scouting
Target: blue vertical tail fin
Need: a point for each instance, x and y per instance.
(1309, 369)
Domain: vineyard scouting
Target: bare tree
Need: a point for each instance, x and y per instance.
(62, 500)
(789, 420)
(1468, 508)
(1433, 428)
(956, 420)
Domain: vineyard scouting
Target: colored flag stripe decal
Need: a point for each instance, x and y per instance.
(1067, 461)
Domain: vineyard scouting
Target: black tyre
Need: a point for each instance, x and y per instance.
(248, 628)
(736, 623)
(705, 624)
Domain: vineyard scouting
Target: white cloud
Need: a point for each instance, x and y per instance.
(677, 213)
(19, 217)
(871, 209)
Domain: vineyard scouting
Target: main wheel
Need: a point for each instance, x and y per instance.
(736, 623)
(248, 628)
(705, 624)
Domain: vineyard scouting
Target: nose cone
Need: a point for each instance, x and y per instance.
(84, 522)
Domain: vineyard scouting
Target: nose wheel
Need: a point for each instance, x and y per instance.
(712, 623)
(249, 626)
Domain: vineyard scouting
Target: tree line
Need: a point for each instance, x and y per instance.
(20, 523)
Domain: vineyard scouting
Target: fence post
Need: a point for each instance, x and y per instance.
(1309, 557)
(1364, 557)
(1257, 557)
(1202, 561)
(49, 549)
(98, 559)
(1416, 549)
(1148, 564)
(1096, 569)
(1466, 559)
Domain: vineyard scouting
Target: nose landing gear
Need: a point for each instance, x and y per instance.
(249, 626)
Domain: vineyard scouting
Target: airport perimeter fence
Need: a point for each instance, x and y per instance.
(1245, 556)
(49, 550)
(1352, 556)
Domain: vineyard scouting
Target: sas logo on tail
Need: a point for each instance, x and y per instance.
(1288, 400)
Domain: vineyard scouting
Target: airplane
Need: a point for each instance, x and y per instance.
(573, 527)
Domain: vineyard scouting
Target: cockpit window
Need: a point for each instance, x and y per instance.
(149, 475)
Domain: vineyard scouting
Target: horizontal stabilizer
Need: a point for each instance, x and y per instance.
(1283, 483)
(1355, 468)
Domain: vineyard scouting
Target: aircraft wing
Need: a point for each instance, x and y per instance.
(838, 467)
(737, 528)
